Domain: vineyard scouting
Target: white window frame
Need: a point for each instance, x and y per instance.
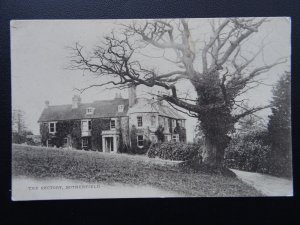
(120, 108)
(137, 141)
(89, 125)
(176, 139)
(110, 123)
(90, 111)
(52, 132)
(141, 122)
(87, 143)
(183, 123)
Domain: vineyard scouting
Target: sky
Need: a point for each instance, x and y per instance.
(40, 57)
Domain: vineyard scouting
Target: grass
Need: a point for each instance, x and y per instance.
(41, 162)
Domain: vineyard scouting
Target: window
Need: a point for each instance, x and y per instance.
(166, 122)
(167, 138)
(112, 124)
(90, 111)
(175, 137)
(153, 121)
(173, 123)
(140, 141)
(140, 121)
(52, 127)
(183, 123)
(120, 108)
(86, 125)
(84, 143)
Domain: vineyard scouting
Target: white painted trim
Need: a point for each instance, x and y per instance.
(54, 122)
(137, 140)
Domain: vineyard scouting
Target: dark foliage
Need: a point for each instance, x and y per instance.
(18, 138)
(174, 151)
(280, 128)
(134, 148)
(249, 152)
(63, 129)
(160, 133)
(44, 131)
(98, 125)
(182, 133)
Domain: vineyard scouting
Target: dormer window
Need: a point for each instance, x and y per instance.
(90, 111)
(120, 108)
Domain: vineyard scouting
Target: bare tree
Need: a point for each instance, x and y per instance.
(224, 75)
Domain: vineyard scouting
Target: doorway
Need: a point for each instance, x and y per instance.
(109, 144)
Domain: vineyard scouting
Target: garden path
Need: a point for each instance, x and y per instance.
(266, 184)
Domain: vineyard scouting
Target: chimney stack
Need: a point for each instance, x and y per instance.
(76, 100)
(47, 103)
(132, 95)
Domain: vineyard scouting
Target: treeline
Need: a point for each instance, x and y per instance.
(265, 149)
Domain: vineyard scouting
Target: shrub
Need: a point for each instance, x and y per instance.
(173, 151)
(248, 152)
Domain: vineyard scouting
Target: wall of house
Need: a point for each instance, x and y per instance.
(98, 125)
(63, 128)
(146, 121)
(124, 131)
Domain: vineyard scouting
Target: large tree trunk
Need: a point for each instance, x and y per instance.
(213, 153)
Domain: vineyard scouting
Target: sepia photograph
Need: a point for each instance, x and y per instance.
(151, 108)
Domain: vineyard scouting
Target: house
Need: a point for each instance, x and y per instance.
(117, 125)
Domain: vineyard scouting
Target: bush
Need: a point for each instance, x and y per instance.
(249, 152)
(174, 151)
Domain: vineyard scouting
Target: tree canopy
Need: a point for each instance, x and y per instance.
(220, 71)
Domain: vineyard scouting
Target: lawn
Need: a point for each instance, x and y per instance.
(89, 166)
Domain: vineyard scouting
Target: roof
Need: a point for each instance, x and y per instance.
(144, 105)
(105, 108)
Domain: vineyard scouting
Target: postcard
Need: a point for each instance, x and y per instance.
(151, 108)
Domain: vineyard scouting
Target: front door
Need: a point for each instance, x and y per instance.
(109, 144)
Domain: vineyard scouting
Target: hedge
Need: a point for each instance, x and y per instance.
(174, 151)
(249, 152)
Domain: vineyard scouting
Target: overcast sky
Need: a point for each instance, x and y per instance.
(40, 56)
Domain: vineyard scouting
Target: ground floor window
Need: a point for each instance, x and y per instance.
(140, 141)
(167, 137)
(175, 137)
(84, 143)
(49, 143)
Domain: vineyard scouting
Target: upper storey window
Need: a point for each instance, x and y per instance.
(90, 111)
(52, 127)
(140, 121)
(120, 108)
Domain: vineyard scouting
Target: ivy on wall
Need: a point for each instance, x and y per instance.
(63, 129)
(134, 149)
(160, 133)
(98, 125)
(182, 133)
(44, 131)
